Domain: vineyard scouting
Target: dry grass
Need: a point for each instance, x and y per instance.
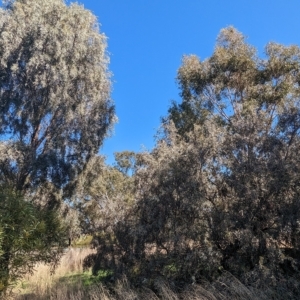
(42, 280)
(62, 286)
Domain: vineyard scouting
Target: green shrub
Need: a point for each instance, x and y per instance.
(29, 235)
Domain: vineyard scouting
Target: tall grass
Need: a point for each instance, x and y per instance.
(70, 282)
(43, 280)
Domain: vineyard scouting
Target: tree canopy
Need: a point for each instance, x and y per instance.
(220, 191)
(54, 92)
(55, 111)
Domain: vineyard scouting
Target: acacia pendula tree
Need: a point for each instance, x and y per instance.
(55, 106)
(55, 111)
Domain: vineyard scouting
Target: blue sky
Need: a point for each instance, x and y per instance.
(146, 42)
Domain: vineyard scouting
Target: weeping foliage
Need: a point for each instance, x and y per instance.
(55, 111)
(55, 107)
(222, 193)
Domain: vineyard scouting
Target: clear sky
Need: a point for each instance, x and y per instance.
(146, 42)
(147, 39)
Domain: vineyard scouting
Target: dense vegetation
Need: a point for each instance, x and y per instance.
(218, 194)
(55, 111)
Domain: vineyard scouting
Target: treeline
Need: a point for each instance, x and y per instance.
(220, 190)
(218, 193)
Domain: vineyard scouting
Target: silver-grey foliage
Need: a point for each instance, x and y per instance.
(220, 191)
(55, 106)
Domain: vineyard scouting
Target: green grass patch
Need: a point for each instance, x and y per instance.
(170, 269)
(83, 241)
(86, 278)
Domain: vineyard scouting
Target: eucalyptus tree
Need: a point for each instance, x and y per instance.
(125, 161)
(221, 192)
(55, 105)
(256, 102)
(105, 195)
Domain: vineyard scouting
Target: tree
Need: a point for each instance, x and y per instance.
(55, 111)
(256, 172)
(55, 95)
(185, 116)
(125, 161)
(105, 196)
(222, 194)
(28, 235)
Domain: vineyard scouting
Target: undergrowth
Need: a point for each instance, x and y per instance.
(71, 282)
